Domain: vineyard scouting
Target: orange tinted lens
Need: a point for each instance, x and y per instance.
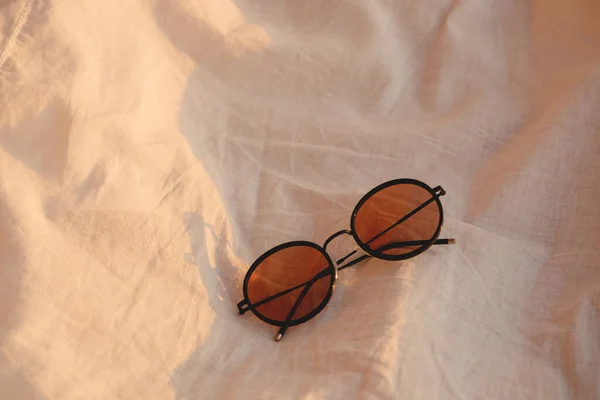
(385, 208)
(283, 270)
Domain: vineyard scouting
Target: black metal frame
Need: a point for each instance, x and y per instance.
(332, 269)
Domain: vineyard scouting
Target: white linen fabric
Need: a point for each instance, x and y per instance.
(151, 150)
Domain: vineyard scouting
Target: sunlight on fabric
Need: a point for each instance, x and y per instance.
(226, 19)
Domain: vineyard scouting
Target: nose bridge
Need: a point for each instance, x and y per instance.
(335, 235)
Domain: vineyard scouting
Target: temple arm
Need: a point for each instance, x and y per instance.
(290, 315)
(391, 246)
(242, 303)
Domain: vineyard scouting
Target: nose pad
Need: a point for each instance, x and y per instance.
(348, 253)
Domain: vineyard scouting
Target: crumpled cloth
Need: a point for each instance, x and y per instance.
(150, 151)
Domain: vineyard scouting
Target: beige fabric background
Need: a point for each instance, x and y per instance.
(151, 150)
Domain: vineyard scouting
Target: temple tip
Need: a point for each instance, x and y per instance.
(451, 241)
(278, 337)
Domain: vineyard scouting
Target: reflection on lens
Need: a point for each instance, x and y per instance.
(287, 268)
(376, 221)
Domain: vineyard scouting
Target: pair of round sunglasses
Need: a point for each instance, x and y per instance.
(293, 282)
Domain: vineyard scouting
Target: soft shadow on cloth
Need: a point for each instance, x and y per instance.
(33, 146)
(207, 252)
(234, 152)
(564, 327)
(245, 150)
(549, 170)
(14, 384)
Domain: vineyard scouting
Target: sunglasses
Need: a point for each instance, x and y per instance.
(293, 282)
